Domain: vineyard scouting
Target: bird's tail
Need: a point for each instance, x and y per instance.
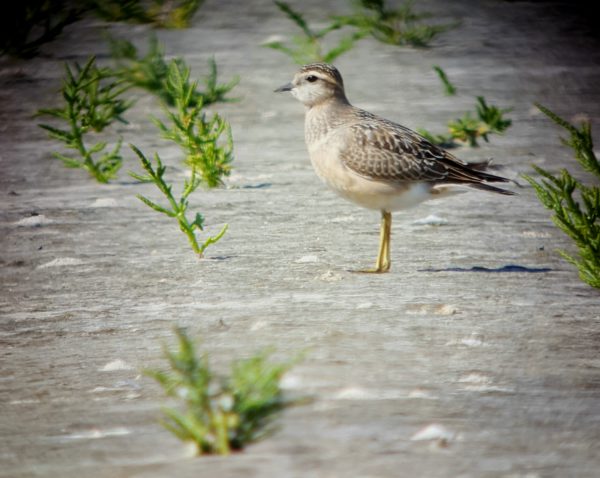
(487, 187)
(480, 169)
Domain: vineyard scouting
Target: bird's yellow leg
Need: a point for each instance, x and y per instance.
(383, 262)
(383, 259)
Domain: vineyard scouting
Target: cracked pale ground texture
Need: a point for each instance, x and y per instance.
(415, 373)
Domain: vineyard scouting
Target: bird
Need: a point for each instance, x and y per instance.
(374, 162)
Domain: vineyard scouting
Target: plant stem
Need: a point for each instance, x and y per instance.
(178, 208)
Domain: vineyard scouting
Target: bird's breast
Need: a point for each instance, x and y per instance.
(324, 152)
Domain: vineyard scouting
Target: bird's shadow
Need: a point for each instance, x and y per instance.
(514, 268)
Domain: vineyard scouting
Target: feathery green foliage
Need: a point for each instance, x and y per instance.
(576, 206)
(308, 47)
(151, 71)
(197, 135)
(488, 119)
(92, 103)
(400, 26)
(177, 208)
(207, 143)
(220, 414)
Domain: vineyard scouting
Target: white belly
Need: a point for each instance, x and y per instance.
(370, 194)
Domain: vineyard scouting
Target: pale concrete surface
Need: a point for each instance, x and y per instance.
(505, 366)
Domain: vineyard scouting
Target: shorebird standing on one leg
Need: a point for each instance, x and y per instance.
(371, 161)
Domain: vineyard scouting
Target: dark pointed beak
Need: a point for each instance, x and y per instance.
(287, 87)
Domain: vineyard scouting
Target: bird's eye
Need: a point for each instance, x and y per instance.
(311, 78)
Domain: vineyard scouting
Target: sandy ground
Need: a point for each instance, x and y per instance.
(414, 373)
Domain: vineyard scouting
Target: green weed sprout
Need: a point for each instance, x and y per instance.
(449, 88)
(92, 103)
(220, 414)
(486, 120)
(576, 206)
(198, 136)
(308, 47)
(150, 72)
(467, 129)
(401, 26)
(161, 13)
(177, 208)
(492, 117)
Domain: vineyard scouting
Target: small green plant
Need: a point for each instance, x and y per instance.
(27, 25)
(467, 129)
(488, 119)
(176, 209)
(220, 414)
(92, 102)
(196, 134)
(449, 88)
(400, 26)
(150, 72)
(308, 47)
(576, 206)
(492, 117)
(161, 13)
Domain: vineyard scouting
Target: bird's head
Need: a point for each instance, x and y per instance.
(315, 84)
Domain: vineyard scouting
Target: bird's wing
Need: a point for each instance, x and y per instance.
(381, 150)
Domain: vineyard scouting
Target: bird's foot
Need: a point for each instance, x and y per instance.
(379, 269)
